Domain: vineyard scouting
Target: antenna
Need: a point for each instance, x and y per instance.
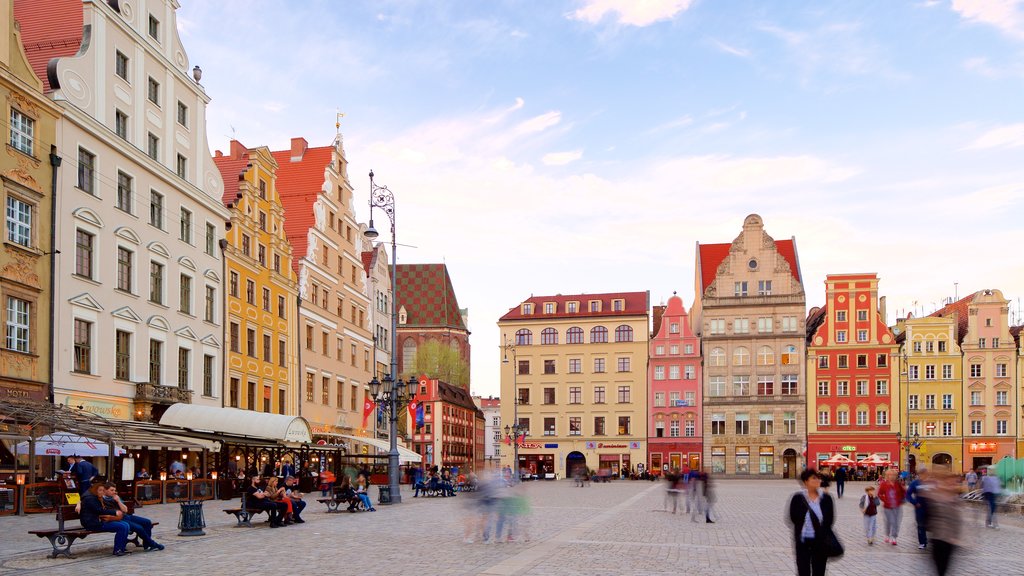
(337, 119)
(956, 291)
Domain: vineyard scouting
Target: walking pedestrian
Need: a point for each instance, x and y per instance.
(697, 490)
(892, 494)
(917, 499)
(869, 503)
(972, 480)
(811, 514)
(944, 520)
(840, 478)
(990, 488)
(709, 497)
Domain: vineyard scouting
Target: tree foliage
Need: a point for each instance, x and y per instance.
(445, 363)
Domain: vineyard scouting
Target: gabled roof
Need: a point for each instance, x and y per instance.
(635, 304)
(368, 258)
(427, 294)
(712, 255)
(49, 31)
(960, 308)
(458, 396)
(299, 184)
(231, 167)
(1015, 331)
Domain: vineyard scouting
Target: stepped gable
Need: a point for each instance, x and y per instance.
(232, 167)
(300, 181)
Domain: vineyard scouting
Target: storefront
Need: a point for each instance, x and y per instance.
(985, 451)
(822, 447)
(112, 409)
(666, 456)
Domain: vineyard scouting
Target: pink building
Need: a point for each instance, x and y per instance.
(674, 420)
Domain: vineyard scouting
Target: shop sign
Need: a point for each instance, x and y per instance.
(98, 407)
(634, 445)
(603, 445)
(530, 445)
(681, 403)
(551, 445)
(982, 447)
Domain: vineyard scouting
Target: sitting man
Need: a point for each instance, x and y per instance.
(143, 527)
(257, 499)
(291, 491)
(98, 518)
(425, 484)
(447, 486)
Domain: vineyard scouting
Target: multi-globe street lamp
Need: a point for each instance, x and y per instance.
(514, 431)
(392, 396)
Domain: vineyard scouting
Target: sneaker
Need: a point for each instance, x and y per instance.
(121, 552)
(298, 521)
(893, 542)
(921, 546)
(153, 546)
(871, 541)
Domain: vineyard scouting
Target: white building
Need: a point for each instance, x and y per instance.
(491, 407)
(138, 291)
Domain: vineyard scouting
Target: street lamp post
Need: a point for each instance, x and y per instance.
(912, 440)
(392, 396)
(513, 432)
(381, 197)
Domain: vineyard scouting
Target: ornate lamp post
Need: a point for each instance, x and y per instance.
(513, 432)
(381, 197)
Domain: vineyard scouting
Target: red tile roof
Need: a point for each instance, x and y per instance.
(636, 303)
(426, 292)
(368, 258)
(960, 308)
(231, 167)
(1015, 331)
(48, 31)
(299, 184)
(712, 255)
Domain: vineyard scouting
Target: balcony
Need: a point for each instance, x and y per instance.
(146, 392)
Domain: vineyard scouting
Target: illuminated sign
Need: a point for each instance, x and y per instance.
(982, 447)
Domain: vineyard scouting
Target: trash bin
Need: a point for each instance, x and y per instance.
(191, 521)
(384, 494)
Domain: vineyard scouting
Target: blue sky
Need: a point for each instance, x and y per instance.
(585, 145)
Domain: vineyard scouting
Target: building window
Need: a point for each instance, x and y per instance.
(233, 392)
(599, 366)
(789, 384)
(182, 114)
(122, 355)
(765, 325)
(789, 423)
(154, 28)
(83, 347)
(17, 330)
(83, 253)
(975, 370)
(862, 417)
(741, 385)
(207, 375)
(282, 355)
(524, 337)
(211, 304)
(716, 386)
(156, 357)
(1000, 398)
(575, 365)
(86, 171)
(182, 166)
(153, 146)
(184, 357)
(599, 397)
(234, 337)
(743, 424)
(766, 424)
(823, 417)
(717, 424)
(842, 418)
(882, 417)
(765, 386)
(22, 131)
(250, 342)
(574, 335)
(840, 337)
(823, 362)
(741, 356)
(19, 221)
(1000, 370)
(325, 391)
(976, 428)
(1001, 427)
(624, 395)
(549, 366)
(121, 65)
(185, 294)
(716, 326)
(261, 257)
(121, 124)
(153, 91)
(575, 395)
(185, 234)
(250, 292)
(913, 402)
(739, 289)
(842, 361)
(549, 336)
(598, 335)
(882, 388)
(624, 333)
(624, 426)
(764, 287)
(741, 326)
(156, 282)
(125, 259)
(623, 364)
(156, 209)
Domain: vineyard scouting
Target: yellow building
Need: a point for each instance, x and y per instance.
(576, 368)
(1018, 333)
(261, 312)
(26, 253)
(931, 373)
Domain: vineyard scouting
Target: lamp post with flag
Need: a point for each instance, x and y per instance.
(391, 397)
(515, 432)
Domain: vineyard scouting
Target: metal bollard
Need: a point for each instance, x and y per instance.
(191, 521)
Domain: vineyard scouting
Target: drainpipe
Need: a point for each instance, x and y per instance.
(224, 390)
(298, 357)
(54, 165)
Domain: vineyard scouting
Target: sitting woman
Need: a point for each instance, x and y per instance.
(423, 484)
(276, 494)
(345, 493)
(99, 517)
(361, 493)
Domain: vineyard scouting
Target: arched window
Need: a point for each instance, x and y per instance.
(409, 355)
(574, 335)
(741, 356)
(549, 336)
(624, 334)
(598, 335)
(524, 337)
(765, 356)
(717, 357)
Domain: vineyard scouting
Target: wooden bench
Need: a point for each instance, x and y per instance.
(334, 503)
(244, 514)
(63, 537)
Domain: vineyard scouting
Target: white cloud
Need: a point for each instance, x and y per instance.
(539, 123)
(561, 158)
(729, 49)
(630, 12)
(1009, 136)
(1006, 15)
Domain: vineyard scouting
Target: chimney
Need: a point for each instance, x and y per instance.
(237, 150)
(299, 146)
(218, 154)
(881, 309)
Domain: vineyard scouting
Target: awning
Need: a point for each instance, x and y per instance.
(67, 444)
(405, 455)
(275, 427)
(156, 436)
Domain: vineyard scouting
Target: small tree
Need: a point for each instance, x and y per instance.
(442, 362)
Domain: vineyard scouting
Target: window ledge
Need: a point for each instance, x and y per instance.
(26, 249)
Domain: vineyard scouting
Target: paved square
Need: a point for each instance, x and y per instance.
(604, 529)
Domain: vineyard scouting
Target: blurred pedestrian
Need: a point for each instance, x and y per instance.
(696, 492)
(840, 478)
(944, 520)
(892, 494)
(990, 488)
(811, 514)
(869, 504)
(709, 497)
(675, 486)
(972, 480)
(916, 497)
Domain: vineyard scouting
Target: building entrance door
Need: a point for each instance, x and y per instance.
(789, 463)
(675, 461)
(575, 463)
(980, 461)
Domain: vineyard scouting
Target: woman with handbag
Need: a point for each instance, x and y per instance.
(812, 514)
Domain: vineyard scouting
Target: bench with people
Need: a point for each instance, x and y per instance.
(355, 496)
(435, 484)
(283, 504)
(100, 510)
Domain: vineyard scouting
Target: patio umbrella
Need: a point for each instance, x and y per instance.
(838, 460)
(65, 444)
(874, 460)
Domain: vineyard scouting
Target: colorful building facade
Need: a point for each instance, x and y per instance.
(261, 312)
(577, 376)
(26, 257)
(855, 407)
(138, 209)
(749, 315)
(675, 425)
(428, 310)
(335, 339)
(452, 433)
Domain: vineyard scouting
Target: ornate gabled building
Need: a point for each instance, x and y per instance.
(749, 314)
(26, 256)
(334, 333)
(453, 427)
(428, 310)
(261, 312)
(378, 289)
(138, 210)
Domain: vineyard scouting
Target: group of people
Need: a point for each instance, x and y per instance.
(497, 511)
(438, 480)
(283, 504)
(102, 510)
(697, 487)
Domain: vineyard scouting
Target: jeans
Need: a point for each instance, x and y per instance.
(870, 526)
(919, 517)
(840, 484)
(120, 529)
(366, 500)
(297, 507)
(990, 499)
(811, 559)
(141, 526)
(893, 516)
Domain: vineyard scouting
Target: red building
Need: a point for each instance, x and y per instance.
(428, 310)
(674, 387)
(854, 402)
(452, 430)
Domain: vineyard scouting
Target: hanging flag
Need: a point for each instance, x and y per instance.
(419, 416)
(368, 406)
(380, 418)
(412, 408)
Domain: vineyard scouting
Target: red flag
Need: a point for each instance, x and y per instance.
(368, 406)
(412, 409)
(508, 440)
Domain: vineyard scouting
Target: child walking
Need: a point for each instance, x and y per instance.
(869, 507)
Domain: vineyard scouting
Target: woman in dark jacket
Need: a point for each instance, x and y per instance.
(95, 516)
(810, 535)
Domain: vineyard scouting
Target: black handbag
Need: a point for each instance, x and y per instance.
(833, 547)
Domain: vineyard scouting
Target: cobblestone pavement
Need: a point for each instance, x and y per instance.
(604, 529)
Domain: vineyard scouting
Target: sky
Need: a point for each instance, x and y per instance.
(586, 146)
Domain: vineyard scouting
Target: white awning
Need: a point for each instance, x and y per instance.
(405, 455)
(276, 427)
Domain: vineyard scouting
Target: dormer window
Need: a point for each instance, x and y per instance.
(527, 308)
(549, 307)
(618, 305)
(571, 307)
(595, 305)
